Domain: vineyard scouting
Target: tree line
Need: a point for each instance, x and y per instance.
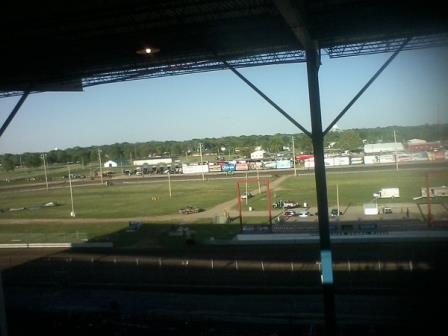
(347, 140)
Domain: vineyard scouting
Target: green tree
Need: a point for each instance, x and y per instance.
(32, 160)
(349, 140)
(8, 162)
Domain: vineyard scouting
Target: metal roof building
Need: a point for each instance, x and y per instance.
(386, 147)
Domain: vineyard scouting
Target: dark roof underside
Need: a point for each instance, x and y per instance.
(65, 44)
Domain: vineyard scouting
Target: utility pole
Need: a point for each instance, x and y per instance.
(395, 145)
(247, 196)
(294, 156)
(71, 192)
(258, 180)
(202, 163)
(45, 169)
(101, 166)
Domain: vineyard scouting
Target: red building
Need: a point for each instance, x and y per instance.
(423, 147)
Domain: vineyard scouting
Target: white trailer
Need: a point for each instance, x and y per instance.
(435, 191)
(389, 193)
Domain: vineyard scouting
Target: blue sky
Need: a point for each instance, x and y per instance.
(413, 90)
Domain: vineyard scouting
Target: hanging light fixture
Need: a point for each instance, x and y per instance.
(147, 50)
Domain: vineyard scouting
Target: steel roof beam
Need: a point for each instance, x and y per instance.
(293, 13)
(14, 112)
(364, 88)
(270, 101)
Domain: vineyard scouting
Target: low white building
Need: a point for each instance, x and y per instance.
(258, 155)
(387, 147)
(110, 164)
(153, 161)
(370, 209)
(416, 142)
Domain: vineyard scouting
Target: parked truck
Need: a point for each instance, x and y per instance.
(387, 193)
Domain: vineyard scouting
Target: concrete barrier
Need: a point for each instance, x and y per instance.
(58, 245)
(46, 245)
(13, 245)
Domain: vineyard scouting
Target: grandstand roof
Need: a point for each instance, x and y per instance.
(66, 45)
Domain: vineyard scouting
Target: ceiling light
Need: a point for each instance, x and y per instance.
(147, 51)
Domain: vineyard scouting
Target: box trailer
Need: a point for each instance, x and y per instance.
(435, 191)
(389, 193)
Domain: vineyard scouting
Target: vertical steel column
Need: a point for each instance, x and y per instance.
(3, 320)
(312, 62)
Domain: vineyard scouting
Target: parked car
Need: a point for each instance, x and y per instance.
(290, 204)
(189, 210)
(290, 213)
(334, 212)
(387, 210)
(246, 195)
(304, 214)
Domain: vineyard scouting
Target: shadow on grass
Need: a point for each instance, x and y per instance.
(148, 235)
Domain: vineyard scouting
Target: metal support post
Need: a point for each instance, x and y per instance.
(294, 156)
(3, 321)
(238, 193)
(13, 112)
(101, 165)
(45, 169)
(312, 61)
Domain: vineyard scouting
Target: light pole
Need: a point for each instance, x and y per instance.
(101, 166)
(395, 148)
(294, 156)
(202, 163)
(247, 196)
(45, 169)
(71, 192)
(169, 183)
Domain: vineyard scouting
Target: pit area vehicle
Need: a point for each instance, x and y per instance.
(387, 193)
(246, 195)
(304, 214)
(387, 210)
(189, 210)
(289, 213)
(285, 204)
(334, 212)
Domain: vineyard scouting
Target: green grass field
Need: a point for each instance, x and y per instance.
(134, 201)
(118, 201)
